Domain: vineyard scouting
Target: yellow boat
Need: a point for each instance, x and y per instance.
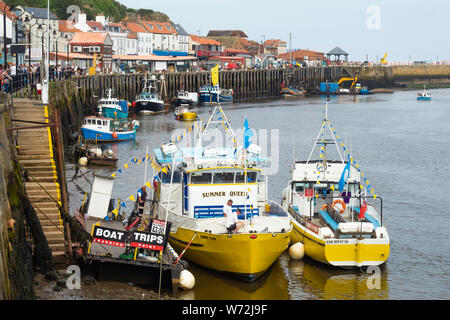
(325, 209)
(183, 114)
(205, 179)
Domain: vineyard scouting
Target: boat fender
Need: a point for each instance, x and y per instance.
(342, 204)
(114, 135)
(297, 251)
(187, 280)
(324, 207)
(83, 161)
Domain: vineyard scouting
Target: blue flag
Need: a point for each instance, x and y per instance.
(344, 176)
(248, 133)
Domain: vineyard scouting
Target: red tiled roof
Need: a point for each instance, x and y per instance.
(205, 41)
(95, 24)
(274, 42)
(66, 26)
(9, 14)
(134, 27)
(89, 37)
(301, 54)
(231, 50)
(159, 27)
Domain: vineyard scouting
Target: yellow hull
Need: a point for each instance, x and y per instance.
(237, 254)
(342, 252)
(187, 116)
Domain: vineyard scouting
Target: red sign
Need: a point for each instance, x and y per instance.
(313, 227)
(309, 192)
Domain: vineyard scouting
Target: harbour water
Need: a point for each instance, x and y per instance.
(403, 147)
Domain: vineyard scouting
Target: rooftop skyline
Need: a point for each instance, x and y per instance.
(406, 30)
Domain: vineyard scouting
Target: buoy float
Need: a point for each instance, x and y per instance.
(187, 280)
(114, 135)
(83, 161)
(297, 251)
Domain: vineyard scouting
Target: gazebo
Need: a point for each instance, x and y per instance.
(337, 53)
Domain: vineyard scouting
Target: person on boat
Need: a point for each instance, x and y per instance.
(232, 224)
(141, 196)
(139, 205)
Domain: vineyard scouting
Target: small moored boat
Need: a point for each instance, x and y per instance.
(211, 94)
(192, 196)
(186, 98)
(149, 101)
(108, 130)
(184, 114)
(111, 107)
(338, 221)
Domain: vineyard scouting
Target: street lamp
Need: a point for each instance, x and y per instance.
(30, 26)
(56, 37)
(68, 38)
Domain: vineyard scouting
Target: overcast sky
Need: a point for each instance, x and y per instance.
(405, 29)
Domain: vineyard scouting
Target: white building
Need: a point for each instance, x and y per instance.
(182, 38)
(163, 37)
(35, 21)
(144, 38)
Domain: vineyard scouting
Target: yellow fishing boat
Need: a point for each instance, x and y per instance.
(192, 197)
(337, 219)
(183, 114)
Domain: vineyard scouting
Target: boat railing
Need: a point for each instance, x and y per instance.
(275, 209)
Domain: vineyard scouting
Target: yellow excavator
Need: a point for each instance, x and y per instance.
(354, 80)
(383, 60)
(97, 58)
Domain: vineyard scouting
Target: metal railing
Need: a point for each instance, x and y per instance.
(22, 80)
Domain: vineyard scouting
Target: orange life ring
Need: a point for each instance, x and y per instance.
(342, 204)
(324, 207)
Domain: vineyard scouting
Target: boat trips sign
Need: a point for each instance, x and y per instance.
(156, 239)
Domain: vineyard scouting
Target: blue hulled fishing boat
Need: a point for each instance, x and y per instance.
(108, 129)
(210, 94)
(111, 107)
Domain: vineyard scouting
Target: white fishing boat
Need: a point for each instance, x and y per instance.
(337, 219)
(192, 196)
(424, 95)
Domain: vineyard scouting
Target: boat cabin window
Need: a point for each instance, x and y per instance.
(165, 177)
(299, 187)
(99, 122)
(201, 177)
(223, 177)
(251, 177)
(104, 123)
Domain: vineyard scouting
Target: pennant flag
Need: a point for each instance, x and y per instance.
(148, 184)
(164, 170)
(247, 134)
(119, 171)
(156, 178)
(113, 175)
(126, 165)
(332, 187)
(123, 205)
(344, 176)
(215, 75)
(131, 198)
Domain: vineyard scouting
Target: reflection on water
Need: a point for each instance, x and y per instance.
(402, 145)
(319, 281)
(211, 285)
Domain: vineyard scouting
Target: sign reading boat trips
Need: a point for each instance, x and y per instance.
(156, 239)
(109, 236)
